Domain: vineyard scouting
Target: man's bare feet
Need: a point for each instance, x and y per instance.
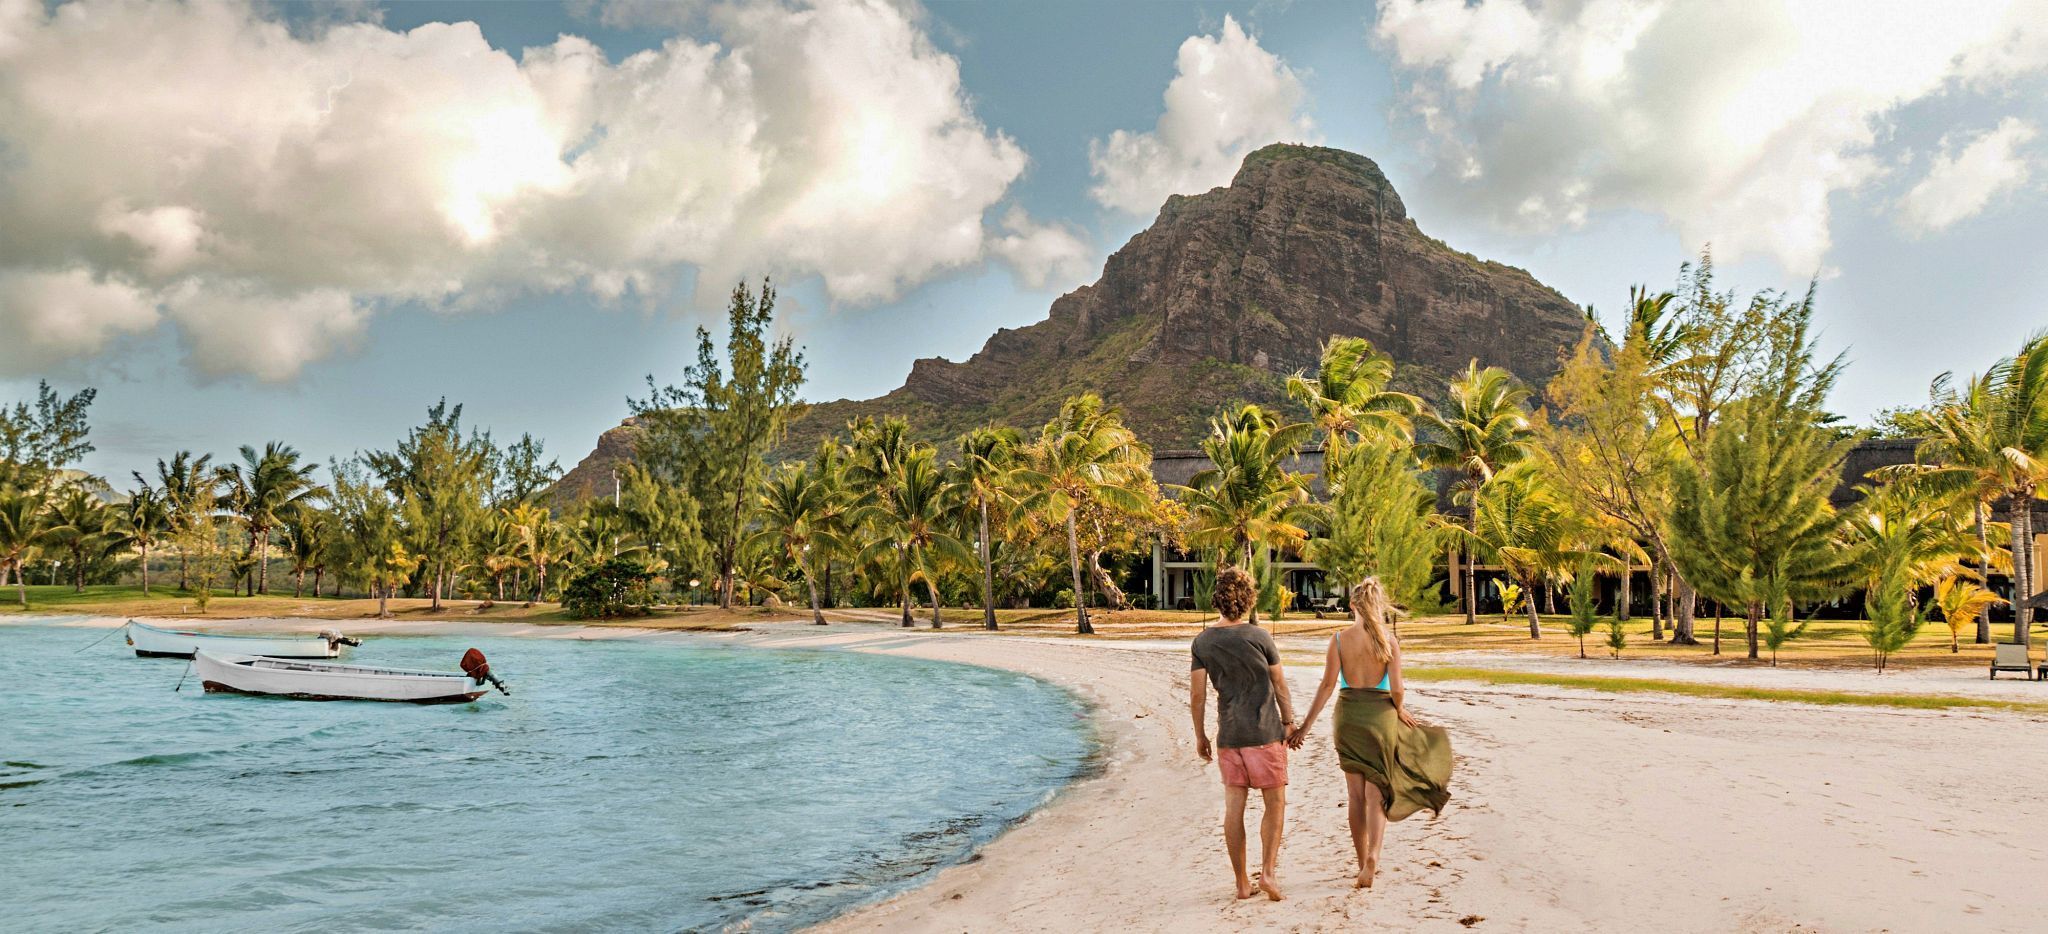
(1270, 886)
(1245, 889)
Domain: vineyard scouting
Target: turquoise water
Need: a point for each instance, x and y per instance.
(622, 786)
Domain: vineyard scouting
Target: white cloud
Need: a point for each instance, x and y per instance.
(1044, 255)
(1959, 186)
(48, 317)
(1228, 97)
(272, 189)
(1736, 121)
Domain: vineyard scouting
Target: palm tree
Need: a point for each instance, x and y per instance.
(984, 477)
(878, 450)
(1955, 430)
(1479, 428)
(188, 485)
(1246, 500)
(542, 543)
(265, 487)
(1519, 521)
(1084, 454)
(2018, 387)
(1348, 398)
(83, 526)
(145, 520)
(1661, 336)
(797, 510)
(24, 530)
(1959, 599)
(498, 547)
(910, 519)
(306, 533)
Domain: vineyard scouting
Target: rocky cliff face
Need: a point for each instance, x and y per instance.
(1231, 290)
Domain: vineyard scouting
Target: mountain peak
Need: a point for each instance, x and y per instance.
(1228, 292)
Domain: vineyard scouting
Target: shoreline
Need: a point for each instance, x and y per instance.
(1571, 809)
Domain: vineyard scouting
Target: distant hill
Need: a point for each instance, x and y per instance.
(1219, 300)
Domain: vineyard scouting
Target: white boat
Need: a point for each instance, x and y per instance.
(310, 680)
(151, 642)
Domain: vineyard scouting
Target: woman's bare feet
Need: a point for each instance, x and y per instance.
(1270, 886)
(1372, 868)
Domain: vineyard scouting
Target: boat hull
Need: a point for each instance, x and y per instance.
(299, 680)
(151, 642)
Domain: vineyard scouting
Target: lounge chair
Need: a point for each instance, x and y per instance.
(2012, 657)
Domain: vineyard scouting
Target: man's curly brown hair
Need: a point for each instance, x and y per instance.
(1235, 592)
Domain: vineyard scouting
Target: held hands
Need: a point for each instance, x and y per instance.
(1296, 735)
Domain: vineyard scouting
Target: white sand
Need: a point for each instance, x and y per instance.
(1572, 810)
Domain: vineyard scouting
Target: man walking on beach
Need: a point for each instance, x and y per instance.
(1253, 716)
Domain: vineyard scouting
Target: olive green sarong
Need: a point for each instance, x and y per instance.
(1410, 765)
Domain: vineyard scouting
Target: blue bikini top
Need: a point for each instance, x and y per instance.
(1386, 680)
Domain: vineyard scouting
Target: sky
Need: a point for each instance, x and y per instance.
(306, 222)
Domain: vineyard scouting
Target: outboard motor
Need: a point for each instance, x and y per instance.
(479, 670)
(334, 638)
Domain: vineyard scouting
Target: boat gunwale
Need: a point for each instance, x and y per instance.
(324, 669)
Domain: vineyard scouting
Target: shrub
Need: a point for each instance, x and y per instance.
(1585, 605)
(1617, 636)
(618, 587)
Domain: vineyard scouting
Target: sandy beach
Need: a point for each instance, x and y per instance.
(1573, 810)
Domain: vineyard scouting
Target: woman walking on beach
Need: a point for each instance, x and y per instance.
(1393, 766)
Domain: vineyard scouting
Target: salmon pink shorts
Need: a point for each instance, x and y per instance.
(1254, 766)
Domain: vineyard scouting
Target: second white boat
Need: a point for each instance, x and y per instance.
(304, 680)
(151, 642)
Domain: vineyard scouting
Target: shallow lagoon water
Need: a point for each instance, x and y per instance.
(624, 785)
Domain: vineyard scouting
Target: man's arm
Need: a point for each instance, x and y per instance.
(1198, 700)
(1278, 673)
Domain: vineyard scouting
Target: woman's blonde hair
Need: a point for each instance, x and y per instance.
(1370, 605)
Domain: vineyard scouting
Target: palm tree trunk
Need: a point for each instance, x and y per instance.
(811, 581)
(931, 586)
(263, 564)
(1529, 603)
(145, 569)
(77, 570)
(1659, 601)
(1074, 562)
(384, 602)
(21, 585)
(988, 576)
(298, 583)
(2022, 520)
(320, 574)
(1471, 578)
(1628, 573)
(1682, 613)
(1984, 569)
(184, 569)
(903, 581)
(1252, 616)
(1750, 616)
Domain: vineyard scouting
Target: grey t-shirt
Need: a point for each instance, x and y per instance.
(1237, 659)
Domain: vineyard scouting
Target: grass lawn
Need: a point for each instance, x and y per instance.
(171, 603)
(1828, 643)
(1722, 691)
